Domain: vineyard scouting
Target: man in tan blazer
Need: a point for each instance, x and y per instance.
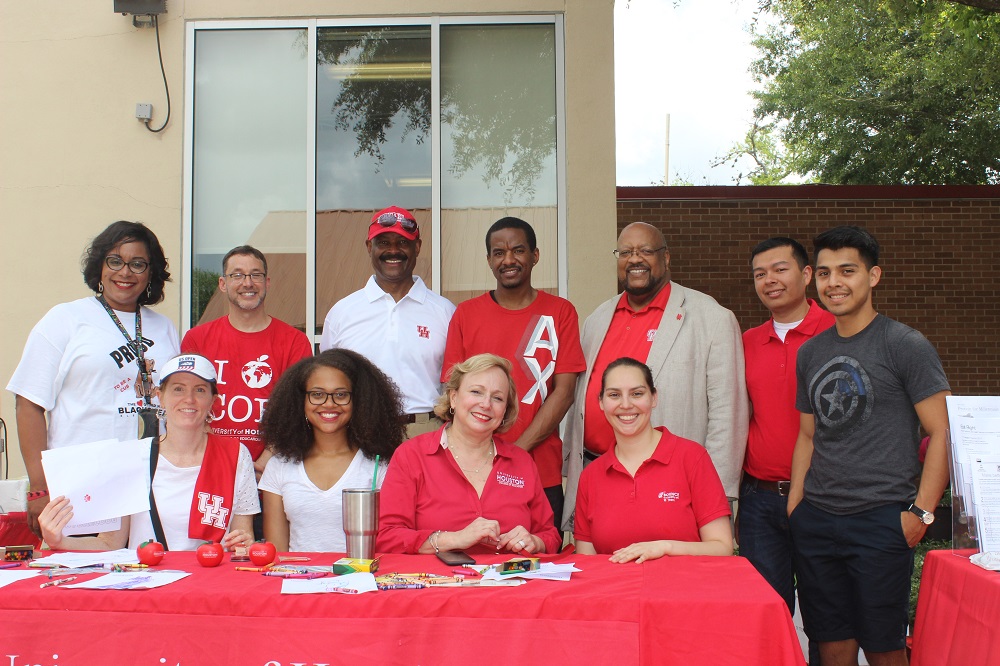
(693, 347)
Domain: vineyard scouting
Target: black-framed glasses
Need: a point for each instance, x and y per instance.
(646, 252)
(115, 263)
(254, 277)
(319, 397)
(392, 218)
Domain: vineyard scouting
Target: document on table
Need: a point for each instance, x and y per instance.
(12, 576)
(103, 480)
(974, 422)
(131, 580)
(88, 558)
(986, 495)
(352, 583)
(545, 571)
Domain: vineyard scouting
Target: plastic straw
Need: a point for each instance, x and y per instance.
(375, 475)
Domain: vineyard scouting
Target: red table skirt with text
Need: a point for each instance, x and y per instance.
(685, 610)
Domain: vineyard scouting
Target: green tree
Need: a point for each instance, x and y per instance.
(877, 92)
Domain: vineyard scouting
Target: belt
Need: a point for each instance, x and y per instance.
(422, 417)
(780, 487)
(590, 455)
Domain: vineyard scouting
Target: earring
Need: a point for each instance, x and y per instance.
(149, 291)
(100, 287)
(451, 411)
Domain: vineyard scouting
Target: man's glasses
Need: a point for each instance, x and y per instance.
(137, 266)
(257, 278)
(391, 219)
(338, 397)
(646, 252)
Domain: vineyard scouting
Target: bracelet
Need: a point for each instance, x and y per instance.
(37, 494)
(433, 538)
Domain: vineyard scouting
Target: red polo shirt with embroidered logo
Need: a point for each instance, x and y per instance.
(674, 493)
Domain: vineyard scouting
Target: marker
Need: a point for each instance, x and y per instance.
(61, 581)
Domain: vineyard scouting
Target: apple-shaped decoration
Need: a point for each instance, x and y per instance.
(263, 553)
(150, 552)
(209, 554)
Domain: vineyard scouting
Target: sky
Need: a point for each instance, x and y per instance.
(692, 62)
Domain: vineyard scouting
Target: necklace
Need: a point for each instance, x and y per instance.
(491, 452)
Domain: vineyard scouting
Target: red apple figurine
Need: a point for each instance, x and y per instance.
(263, 553)
(150, 552)
(209, 554)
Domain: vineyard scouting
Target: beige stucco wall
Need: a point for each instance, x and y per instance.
(73, 158)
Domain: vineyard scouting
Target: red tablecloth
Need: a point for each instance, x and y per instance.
(687, 610)
(958, 612)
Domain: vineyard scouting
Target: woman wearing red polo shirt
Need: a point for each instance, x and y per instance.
(654, 493)
(460, 487)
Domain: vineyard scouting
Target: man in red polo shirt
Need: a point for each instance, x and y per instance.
(781, 272)
(538, 333)
(690, 343)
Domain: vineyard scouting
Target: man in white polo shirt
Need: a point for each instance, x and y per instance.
(396, 321)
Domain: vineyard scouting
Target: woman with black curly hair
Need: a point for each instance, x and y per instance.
(88, 368)
(326, 420)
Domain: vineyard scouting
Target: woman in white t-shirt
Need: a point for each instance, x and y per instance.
(327, 419)
(191, 463)
(83, 376)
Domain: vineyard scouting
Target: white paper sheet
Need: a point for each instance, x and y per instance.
(131, 580)
(352, 583)
(88, 558)
(974, 422)
(8, 576)
(103, 481)
(986, 496)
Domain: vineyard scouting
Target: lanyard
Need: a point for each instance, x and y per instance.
(136, 345)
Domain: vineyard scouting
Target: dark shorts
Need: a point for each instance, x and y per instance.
(853, 575)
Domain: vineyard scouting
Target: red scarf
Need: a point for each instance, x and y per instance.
(212, 504)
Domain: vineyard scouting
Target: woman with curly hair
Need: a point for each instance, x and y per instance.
(327, 419)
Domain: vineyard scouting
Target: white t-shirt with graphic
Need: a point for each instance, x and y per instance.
(78, 366)
(315, 517)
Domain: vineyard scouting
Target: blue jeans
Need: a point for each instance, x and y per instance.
(765, 540)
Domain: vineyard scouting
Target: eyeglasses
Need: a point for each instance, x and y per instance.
(115, 263)
(338, 397)
(254, 277)
(646, 252)
(391, 219)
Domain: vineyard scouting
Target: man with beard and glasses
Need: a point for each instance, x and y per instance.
(692, 345)
(396, 321)
(250, 350)
(538, 333)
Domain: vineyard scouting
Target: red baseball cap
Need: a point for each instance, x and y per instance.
(395, 219)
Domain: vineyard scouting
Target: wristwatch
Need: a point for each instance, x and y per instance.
(926, 517)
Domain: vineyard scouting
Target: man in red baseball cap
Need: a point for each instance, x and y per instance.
(396, 321)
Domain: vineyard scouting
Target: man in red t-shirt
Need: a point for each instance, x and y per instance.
(781, 273)
(250, 350)
(538, 333)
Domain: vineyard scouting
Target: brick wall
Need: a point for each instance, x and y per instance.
(939, 254)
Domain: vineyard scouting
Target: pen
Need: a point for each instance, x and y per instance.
(10, 565)
(61, 581)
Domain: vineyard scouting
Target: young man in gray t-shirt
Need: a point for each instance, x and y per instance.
(864, 387)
